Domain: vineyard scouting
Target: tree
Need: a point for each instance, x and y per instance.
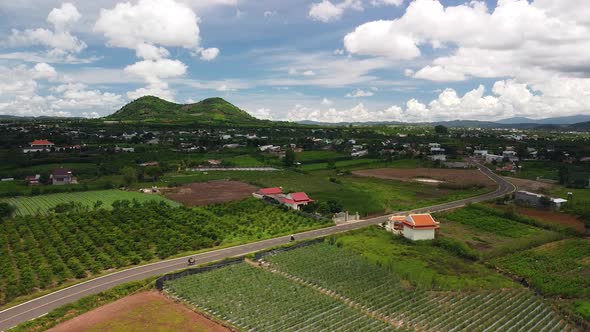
(441, 130)
(6, 210)
(289, 159)
(564, 175)
(129, 175)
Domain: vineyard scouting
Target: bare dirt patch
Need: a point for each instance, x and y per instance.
(452, 176)
(146, 311)
(564, 219)
(203, 193)
(529, 185)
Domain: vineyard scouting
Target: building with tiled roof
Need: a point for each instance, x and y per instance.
(414, 227)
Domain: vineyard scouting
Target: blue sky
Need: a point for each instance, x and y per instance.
(324, 60)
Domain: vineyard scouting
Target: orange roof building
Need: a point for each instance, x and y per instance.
(414, 227)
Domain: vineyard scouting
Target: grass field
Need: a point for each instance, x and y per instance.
(28, 205)
(330, 287)
(357, 194)
(491, 232)
(421, 264)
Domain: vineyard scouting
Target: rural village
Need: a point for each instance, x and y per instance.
(295, 166)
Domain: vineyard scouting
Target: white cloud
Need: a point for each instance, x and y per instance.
(518, 38)
(377, 3)
(327, 102)
(153, 72)
(209, 54)
(44, 71)
(154, 22)
(151, 52)
(326, 11)
(358, 93)
(91, 115)
(262, 113)
(19, 94)
(64, 17)
(149, 26)
(60, 41)
(308, 73)
(225, 88)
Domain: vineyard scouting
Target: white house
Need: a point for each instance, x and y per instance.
(415, 227)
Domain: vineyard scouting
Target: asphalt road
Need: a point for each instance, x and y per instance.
(42, 305)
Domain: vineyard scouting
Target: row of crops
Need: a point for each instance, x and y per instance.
(252, 299)
(323, 287)
(350, 275)
(42, 251)
(42, 204)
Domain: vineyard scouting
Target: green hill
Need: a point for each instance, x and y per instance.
(210, 110)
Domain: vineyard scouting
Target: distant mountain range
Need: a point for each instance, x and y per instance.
(219, 111)
(564, 120)
(575, 122)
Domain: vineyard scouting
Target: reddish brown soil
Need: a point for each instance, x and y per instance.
(146, 311)
(203, 193)
(452, 176)
(564, 219)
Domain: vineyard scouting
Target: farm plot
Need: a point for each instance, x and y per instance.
(44, 251)
(349, 275)
(253, 299)
(42, 204)
(449, 177)
(149, 311)
(203, 193)
(493, 232)
(559, 268)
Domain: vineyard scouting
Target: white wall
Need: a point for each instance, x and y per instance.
(418, 234)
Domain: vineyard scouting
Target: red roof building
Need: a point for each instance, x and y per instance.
(270, 191)
(41, 143)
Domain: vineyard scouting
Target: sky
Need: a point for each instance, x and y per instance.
(321, 60)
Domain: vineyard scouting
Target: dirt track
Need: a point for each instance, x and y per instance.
(203, 193)
(146, 311)
(529, 185)
(452, 176)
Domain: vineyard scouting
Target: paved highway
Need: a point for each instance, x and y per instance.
(42, 305)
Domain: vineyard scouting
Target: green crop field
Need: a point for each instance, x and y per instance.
(490, 232)
(27, 205)
(44, 251)
(324, 287)
(253, 299)
(559, 268)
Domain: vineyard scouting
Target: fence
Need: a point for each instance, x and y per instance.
(173, 276)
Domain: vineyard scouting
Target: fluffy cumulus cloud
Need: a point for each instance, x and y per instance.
(60, 42)
(20, 93)
(148, 27)
(326, 11)
(517, 37)
(541, 46)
